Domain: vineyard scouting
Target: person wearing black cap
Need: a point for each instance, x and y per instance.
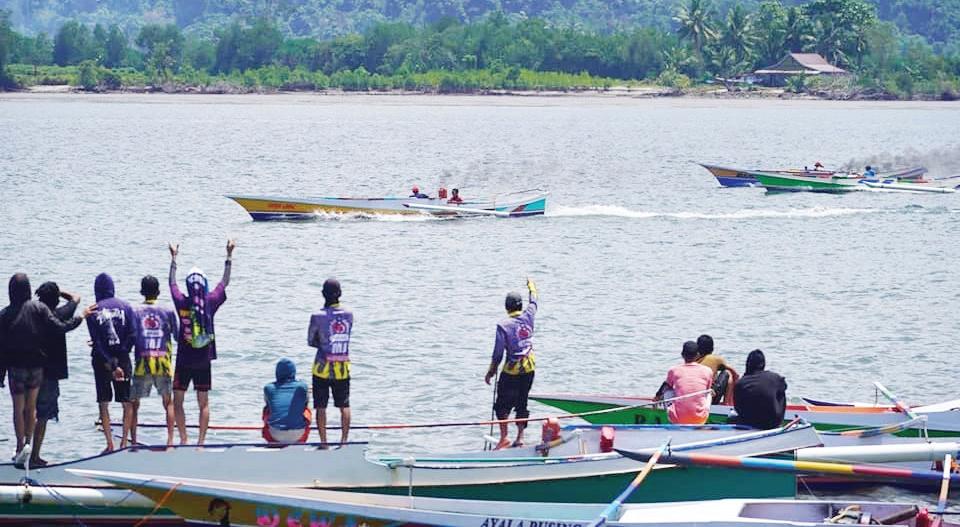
(514, 346)
(329, 332)
(55, 369)
(157, 326)
(760, 399)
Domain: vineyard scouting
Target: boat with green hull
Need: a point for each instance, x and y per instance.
(941, 420)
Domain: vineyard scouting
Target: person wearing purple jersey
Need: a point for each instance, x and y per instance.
(329, 332)
(113, 332)
(514, 345)
(157, 326)
(196, 345)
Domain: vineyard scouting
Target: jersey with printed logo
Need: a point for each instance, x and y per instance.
(329, 332)
(515, 339)
(156, 330)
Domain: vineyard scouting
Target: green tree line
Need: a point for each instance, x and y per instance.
(937, 21)
(705, 45)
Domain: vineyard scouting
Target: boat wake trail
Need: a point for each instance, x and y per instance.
(609, 210)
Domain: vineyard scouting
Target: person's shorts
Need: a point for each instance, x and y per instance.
(323, 387)
(275, 435)
(199, 375)
(48, 400)
(23, 379)
(109, 389)
(143, 384)
(512, 392)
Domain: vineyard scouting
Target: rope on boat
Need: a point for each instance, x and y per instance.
(159, 504)
(392, 426)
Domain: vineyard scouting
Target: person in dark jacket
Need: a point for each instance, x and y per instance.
(55, 369)
(760, 396)
(113, 332)
(23, 326)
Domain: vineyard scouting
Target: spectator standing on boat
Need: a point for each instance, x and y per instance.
(55, 369)
(113, 332)
(514, 346)
(24, 325)
(455, 197)
(724, 376)
(761, 398)
(196, 345)
(157, 327)
(329, 332)
(869, 172)
(417, 193)
(684, 380)
(286, 418)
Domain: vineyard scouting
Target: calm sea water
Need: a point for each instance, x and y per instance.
(640, 249)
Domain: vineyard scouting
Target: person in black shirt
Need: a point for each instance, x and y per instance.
(759, 396)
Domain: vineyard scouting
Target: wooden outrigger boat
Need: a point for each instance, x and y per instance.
(513, 205)
(738, 177)
(576, 469)
(942, 420)
(839, 183)
(231, 503)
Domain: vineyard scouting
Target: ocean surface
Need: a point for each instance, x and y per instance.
(640, 250)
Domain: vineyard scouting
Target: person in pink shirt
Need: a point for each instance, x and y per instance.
(684, 379)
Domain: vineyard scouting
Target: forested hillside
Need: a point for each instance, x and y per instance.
(937, 20)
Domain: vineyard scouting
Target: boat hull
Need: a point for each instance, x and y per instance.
(942, 422)
(517, 204)
(576, 469)
(223, 502)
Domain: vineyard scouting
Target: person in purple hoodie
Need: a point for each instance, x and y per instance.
(113, 332)
(514, 346)
(196, 345)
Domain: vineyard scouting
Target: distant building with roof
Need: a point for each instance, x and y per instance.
(798, 64)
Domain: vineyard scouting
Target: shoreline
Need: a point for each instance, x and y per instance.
(612, 92)
(717, 93)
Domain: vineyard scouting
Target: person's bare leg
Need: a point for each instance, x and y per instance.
(180, 417)
(127, 423)
(520, 428)
(504, 442)
(344, 424)
(134, 416)
(38, 433)
(171, 417)
(19, 402)
(30, 414)
(105, 422)
(203, 401)
(322, 426)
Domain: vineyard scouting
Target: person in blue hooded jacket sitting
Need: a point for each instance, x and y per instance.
(286, 418)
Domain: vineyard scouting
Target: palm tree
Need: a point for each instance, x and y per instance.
(696, 25)
(798, 35)
(739, 34)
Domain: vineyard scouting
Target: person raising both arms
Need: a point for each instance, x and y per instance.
(196, 345)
